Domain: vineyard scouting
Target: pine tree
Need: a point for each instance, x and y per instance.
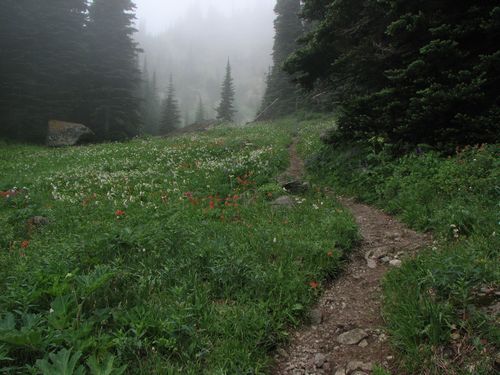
(112, 101)
(200, 112)
(171, 116)
(42, 64)
(406, 72)
(226, 111)
(281, 93)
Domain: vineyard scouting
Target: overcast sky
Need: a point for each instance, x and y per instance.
(160, 14)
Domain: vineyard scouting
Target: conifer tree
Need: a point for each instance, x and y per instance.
(112, 94)
(288, 29)
(200, 112)
(226, 111)
(171, 116)
(408, 73)
(42, 64)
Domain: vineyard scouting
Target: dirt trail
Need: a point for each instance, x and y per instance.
(346, 334)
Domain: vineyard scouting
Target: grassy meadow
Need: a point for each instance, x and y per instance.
(159, 255)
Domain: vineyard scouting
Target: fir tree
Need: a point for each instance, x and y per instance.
(112, 101)
(281, 93)
(200, 112)
(226, 111)
(408, 73)
(171, 116)
(42, 65)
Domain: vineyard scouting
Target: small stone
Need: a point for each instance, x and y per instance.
(319, 360)
(385, 260)
(284, 201)
(352, 337)
(363, 344)
(371, 263)
(37, 222)
(296, 187)
(316, 316)
(340, 371)
(358, 365)
(382, 337)
(396, 263)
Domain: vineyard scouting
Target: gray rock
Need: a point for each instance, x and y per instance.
(363, 344)
(62, 133)
(395, 263)
(371, 263)
(316, 316)
(284, 201)
(38, 221)
(296, 187)
(340, 371)
(385, 260)
(352, 337)
(358, 365)
(319, 360)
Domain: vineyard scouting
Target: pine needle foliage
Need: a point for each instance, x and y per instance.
(226, 111)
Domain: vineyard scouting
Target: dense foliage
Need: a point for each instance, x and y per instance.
(163, 255)
(410, 72)
(64, 60)
(281, 95)
(41, 66)
(225, 110)
(439, 307)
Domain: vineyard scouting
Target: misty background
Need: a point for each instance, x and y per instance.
(192, 41)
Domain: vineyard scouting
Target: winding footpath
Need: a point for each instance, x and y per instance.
(346, 334)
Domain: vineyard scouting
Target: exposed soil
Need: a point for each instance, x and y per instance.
(352, 304)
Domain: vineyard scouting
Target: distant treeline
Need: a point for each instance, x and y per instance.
(403, 73)
(68, 60)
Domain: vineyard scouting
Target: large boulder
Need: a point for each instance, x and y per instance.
(66, 133)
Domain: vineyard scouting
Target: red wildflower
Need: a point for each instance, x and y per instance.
(330, 253)
(119, 213)
(212, 204)
(313, 284)
(25, 244)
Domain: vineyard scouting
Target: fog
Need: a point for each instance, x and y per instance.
(192, 40)
(158, 15)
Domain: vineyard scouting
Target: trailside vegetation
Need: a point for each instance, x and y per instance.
(439, 307)
(411, 73)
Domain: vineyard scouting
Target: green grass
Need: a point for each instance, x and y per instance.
(433, 308)
(161, 255)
